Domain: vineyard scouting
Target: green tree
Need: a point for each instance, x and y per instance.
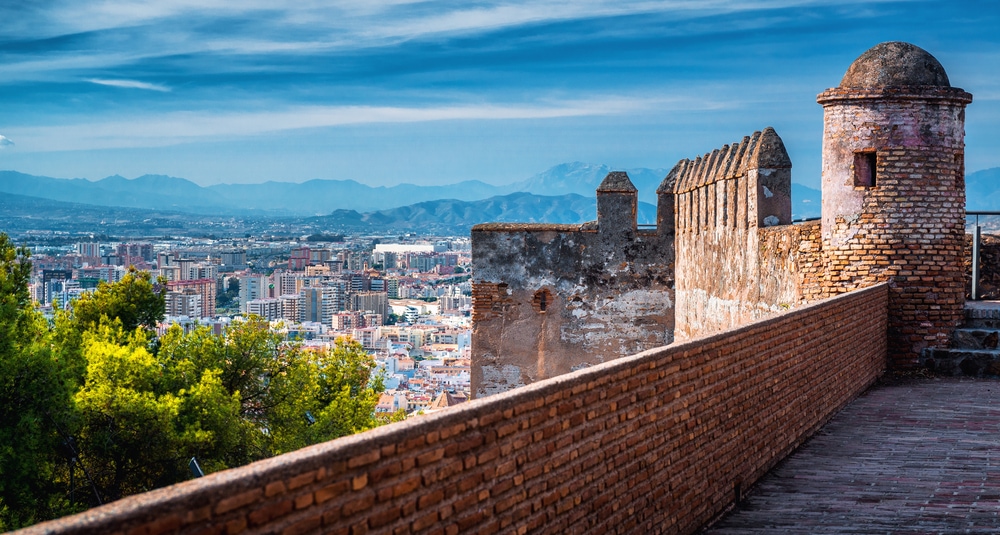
(144, 415)
(128, 434)
(130, 409)
(327, 394)
(34, 397)
(136, 300)
(231, 362)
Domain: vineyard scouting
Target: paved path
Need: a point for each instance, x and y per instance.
(918, 456)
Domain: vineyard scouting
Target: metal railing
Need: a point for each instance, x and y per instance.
(976, 239)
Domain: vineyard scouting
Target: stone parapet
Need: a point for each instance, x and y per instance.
(659, 442)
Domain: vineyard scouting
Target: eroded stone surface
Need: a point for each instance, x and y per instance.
(548, 300)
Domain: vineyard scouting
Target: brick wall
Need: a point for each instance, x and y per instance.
(812, 261)
(658, 442)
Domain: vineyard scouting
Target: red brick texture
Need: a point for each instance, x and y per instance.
(658, 442)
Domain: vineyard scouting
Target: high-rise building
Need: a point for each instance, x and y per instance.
(202, 270)
(299, 259)
(89, 249)
(287, 282)
(183, 303)
(206, 288)
(312, 304)
(345, 321)
(52, 282)
(333, 301)
(291, 307)
(134, 251)
(318, 256)
(370, 302)
(268, 308)
(233, 258)
(252, 287)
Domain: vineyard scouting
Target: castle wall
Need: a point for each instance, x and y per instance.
(731, 266)
(658, 442)
(550, 299)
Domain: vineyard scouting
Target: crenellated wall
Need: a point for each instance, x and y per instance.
(550, 299)
(659, 442)
(730, 268)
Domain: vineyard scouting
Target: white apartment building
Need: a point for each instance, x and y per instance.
(268, 308)
(252, 287)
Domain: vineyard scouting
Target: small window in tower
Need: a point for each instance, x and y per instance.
(864, 169)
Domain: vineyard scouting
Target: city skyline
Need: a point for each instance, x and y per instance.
(427, 93)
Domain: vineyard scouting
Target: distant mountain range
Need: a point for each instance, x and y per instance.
(459, 216)
(561, 194)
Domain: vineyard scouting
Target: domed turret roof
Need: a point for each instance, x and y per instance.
(895, 64)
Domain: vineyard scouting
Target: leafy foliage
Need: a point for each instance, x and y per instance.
(96, 407)
(33, 395)
(136, 300)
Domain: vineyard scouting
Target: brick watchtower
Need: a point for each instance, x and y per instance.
(894, 191)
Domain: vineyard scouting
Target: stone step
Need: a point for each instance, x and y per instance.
(970, 362)
(982, 314)
(981, 323)
(975, 338)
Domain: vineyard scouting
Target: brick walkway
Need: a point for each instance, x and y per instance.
(919, 456)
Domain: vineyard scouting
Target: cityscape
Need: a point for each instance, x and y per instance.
(406, 299)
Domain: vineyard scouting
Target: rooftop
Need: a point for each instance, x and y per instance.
(895, 64)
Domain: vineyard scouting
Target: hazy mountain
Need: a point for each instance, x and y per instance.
(324, 196)
(807, 202)
(21, 213)
(147, 191)
(583, 179)
(462, 215)
(307, 198)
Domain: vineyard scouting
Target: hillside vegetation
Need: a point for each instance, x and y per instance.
(97, 407)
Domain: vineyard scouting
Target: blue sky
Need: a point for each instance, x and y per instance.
(426, 92)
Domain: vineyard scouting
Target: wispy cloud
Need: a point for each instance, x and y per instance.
(130, 84)
(188, 127)
(5, 142)
(255, 25)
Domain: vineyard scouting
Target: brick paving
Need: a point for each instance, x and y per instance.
(909, 456)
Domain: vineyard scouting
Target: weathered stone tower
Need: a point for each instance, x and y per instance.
(894, 191)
